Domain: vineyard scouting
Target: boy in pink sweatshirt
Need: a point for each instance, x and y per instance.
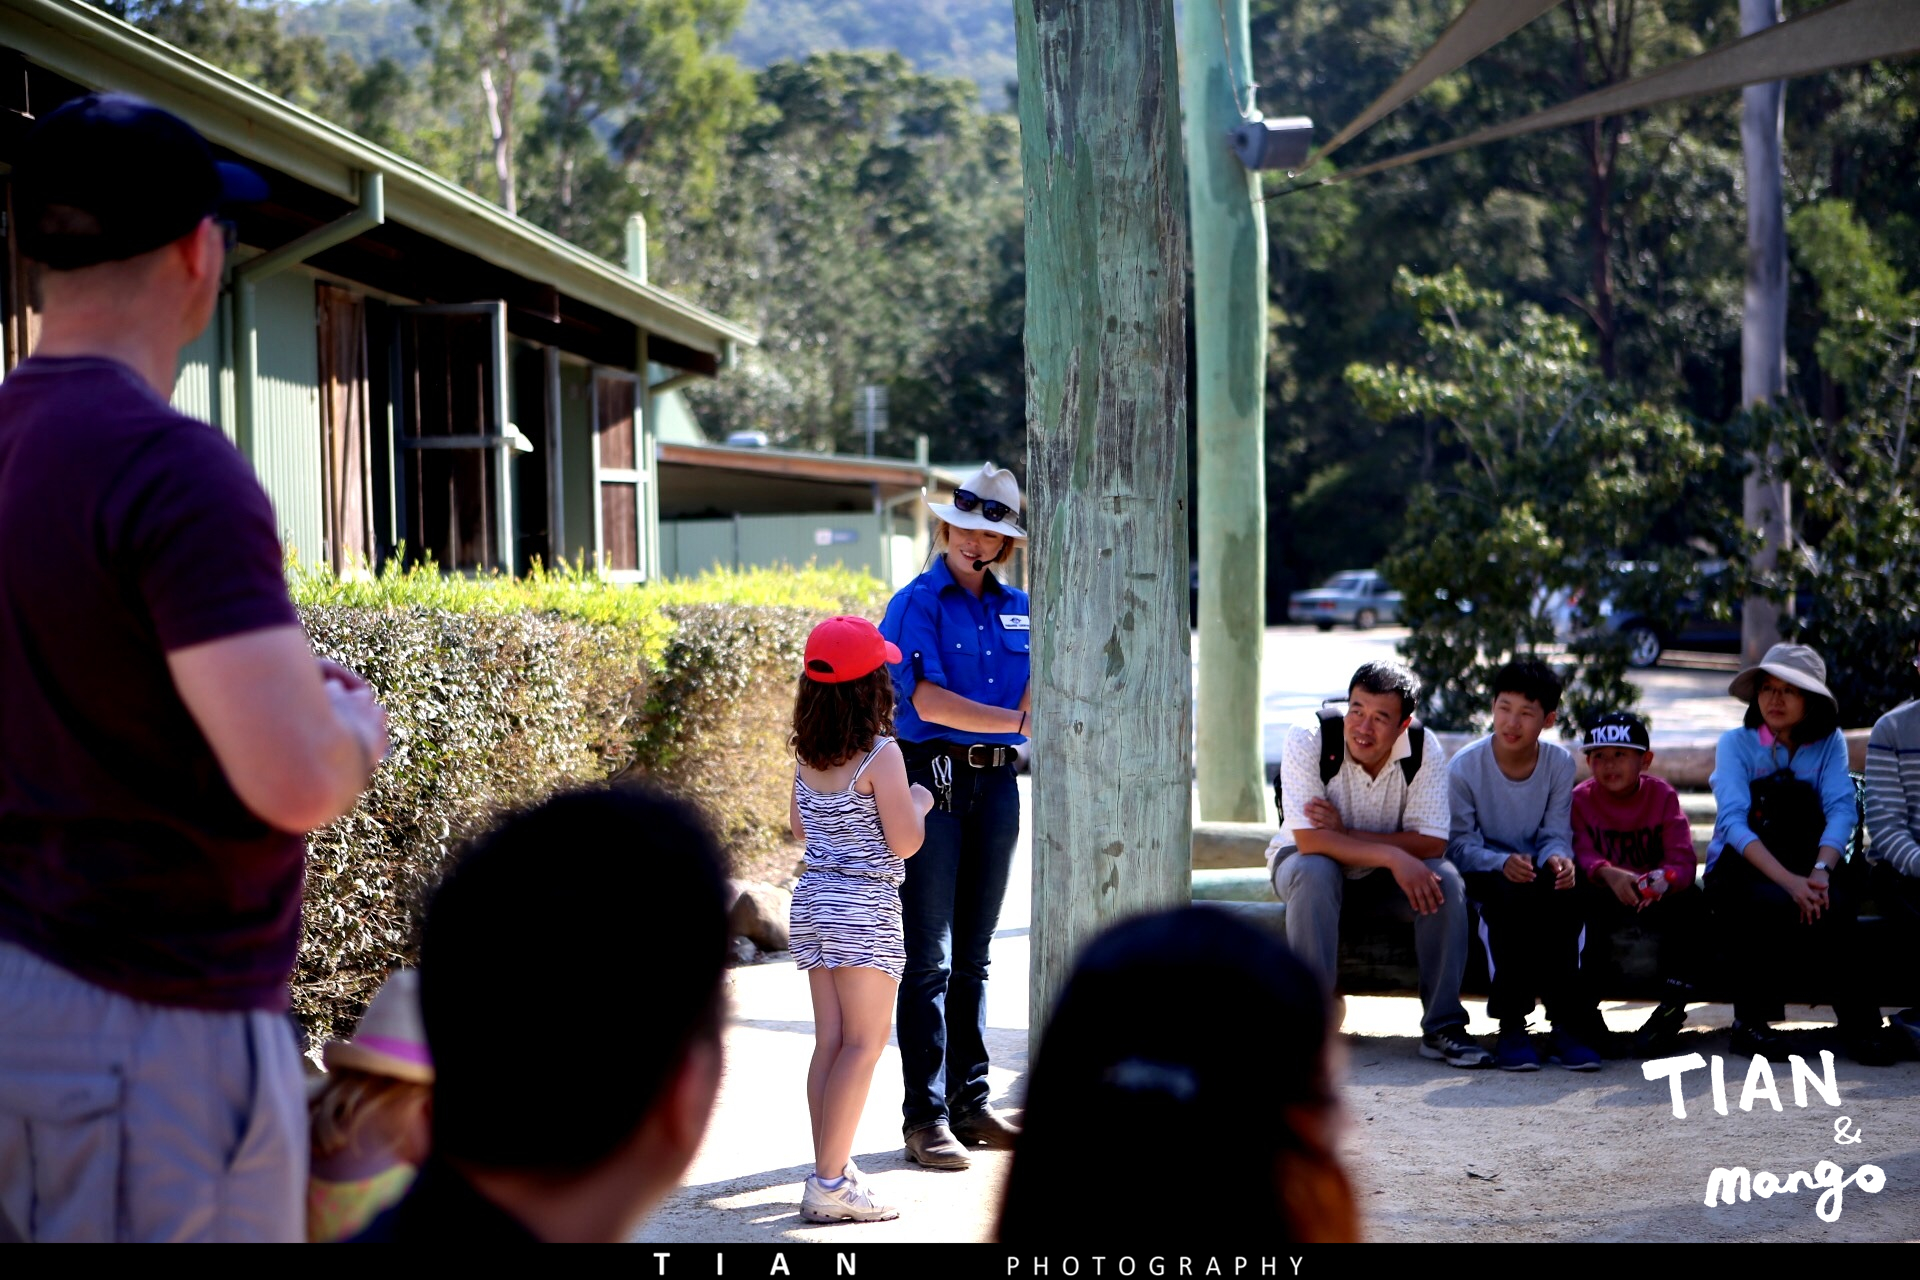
(1634, 851)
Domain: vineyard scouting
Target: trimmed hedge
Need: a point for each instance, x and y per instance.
(500, 691)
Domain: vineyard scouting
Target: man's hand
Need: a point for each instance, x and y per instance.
(1324, 816)
(1421, 886)
(1518, 868)
(333, 673)
(1561, 869)
(367, 719)
(1625, 886)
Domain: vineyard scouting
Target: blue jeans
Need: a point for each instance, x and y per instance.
(950, 906)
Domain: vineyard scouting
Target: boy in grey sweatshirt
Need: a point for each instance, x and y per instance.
(1511, 798)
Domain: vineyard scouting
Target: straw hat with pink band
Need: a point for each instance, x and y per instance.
(391, 1039)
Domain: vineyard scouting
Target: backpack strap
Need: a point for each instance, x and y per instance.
(1333, 742)
(879, 746)
(1416, 748)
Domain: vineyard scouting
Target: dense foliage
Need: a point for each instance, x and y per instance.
(499, 692)
(1632, 229)
(1855, 467)
(1559, 473)
(862, 211)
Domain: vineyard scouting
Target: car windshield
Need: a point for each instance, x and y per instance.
(1350, 582)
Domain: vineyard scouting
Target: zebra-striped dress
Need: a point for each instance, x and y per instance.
(846, 908)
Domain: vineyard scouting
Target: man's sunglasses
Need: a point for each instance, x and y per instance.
(995, 512)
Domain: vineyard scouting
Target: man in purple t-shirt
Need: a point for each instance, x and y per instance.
(166, 733)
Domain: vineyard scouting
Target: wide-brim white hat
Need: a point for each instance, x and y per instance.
(989, 484)
(1798, 665)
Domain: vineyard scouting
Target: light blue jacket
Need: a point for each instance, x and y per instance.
(1740, 759)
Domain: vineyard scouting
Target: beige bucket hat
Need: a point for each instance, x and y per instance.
(1798, 665)
(989, 500)
(391, 1039)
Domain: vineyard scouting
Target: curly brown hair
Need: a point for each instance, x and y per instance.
(833, 723)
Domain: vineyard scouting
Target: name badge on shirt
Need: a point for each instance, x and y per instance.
(1013, 621)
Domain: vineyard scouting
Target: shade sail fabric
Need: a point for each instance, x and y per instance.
(1840, 35)
(1477, 28)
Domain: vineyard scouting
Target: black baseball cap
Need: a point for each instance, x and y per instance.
(108, 177)
(1617, 729)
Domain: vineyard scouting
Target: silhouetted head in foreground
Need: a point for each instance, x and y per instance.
(1186, 1065)
(571, 968)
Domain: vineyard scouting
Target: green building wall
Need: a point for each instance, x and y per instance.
(286, 430)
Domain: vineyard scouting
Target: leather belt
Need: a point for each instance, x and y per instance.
(979, 755)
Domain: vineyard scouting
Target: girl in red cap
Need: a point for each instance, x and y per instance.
(861, 821)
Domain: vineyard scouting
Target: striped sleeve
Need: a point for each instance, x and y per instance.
(1889, 811)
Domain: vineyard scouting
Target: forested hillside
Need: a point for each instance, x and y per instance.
(862, 210)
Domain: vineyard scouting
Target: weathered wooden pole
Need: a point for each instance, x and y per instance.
(1229, 379)
(1106, 471)
(1767, 501)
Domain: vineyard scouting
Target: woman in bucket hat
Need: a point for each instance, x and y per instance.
(963, 710)
(1785, 814)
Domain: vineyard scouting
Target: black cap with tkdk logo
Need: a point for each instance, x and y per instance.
(1617, 729)
(108, 177)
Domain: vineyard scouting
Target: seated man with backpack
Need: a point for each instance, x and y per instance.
(1362, 793)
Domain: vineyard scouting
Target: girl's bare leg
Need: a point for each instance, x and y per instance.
(866, 1015)
(826, 1044)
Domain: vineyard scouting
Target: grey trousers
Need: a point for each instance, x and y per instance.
(1314, 886)
(127, 1121)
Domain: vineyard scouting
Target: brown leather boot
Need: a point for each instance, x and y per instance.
(985, 1128)
(936, 1148)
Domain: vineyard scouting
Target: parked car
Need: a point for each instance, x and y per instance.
(1692, 626)
(1359, 596)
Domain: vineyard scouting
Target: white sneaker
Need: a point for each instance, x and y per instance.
(851, 1201)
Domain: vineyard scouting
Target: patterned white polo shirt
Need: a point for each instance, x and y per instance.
(1384, 804)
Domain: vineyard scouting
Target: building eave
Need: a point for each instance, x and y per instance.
(794, 464)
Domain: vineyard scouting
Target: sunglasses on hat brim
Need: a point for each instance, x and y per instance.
(968, 501)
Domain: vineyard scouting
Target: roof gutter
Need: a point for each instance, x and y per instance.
(246, 331)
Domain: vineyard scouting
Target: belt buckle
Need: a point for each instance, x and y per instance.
(973, 761)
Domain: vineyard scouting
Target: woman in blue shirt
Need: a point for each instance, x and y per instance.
(1786, 811)
(962, 712)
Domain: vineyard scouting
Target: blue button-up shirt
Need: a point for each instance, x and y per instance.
(975, 648)
(1740, 759)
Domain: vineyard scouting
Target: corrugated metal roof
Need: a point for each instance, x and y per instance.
(93, 48)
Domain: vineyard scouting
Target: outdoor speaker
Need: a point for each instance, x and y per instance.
(1273, 144)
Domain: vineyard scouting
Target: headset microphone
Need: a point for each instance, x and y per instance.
(978, 565)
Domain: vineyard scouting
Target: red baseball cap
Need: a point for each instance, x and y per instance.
(843, 649)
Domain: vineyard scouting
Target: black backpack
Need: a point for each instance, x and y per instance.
(1333, 749)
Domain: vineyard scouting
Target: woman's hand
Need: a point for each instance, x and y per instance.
(1810, 898)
